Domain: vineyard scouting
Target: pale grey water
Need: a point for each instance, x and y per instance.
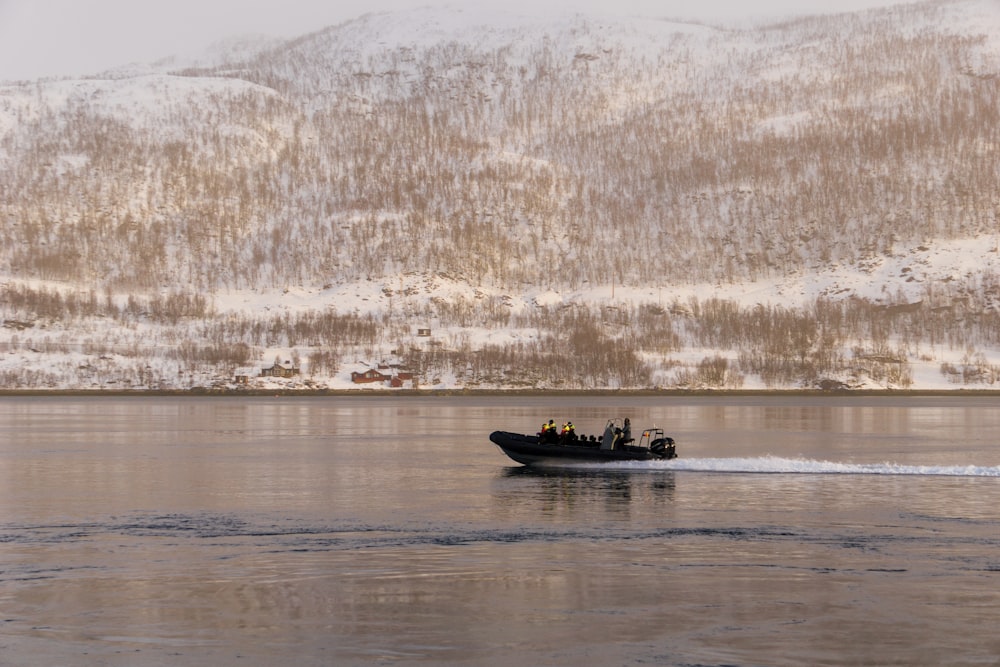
(389, 531)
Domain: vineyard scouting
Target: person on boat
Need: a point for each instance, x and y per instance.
(548, 433)
(568, 433)
(626, 432)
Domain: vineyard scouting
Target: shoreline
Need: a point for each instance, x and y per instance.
(201, 392)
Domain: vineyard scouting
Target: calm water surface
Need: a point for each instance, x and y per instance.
(389, 531)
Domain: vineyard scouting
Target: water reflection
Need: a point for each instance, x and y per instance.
(569, 492)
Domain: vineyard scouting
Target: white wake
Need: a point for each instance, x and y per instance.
(775, 464)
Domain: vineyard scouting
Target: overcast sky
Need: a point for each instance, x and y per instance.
(41, 38)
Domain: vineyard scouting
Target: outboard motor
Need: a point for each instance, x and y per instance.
(664, 448)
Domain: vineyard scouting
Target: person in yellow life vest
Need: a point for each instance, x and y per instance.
(568, 432)
(548, 432)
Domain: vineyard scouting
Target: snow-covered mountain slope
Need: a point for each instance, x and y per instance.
(505, 180)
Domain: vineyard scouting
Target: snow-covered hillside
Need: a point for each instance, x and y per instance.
(492, 200)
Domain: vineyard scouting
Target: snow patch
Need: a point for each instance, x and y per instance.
(549, 298)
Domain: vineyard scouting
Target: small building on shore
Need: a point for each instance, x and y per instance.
(280, 370)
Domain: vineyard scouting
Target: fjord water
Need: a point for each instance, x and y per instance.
(389, 531)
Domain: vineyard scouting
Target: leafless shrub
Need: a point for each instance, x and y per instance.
(818, 143)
